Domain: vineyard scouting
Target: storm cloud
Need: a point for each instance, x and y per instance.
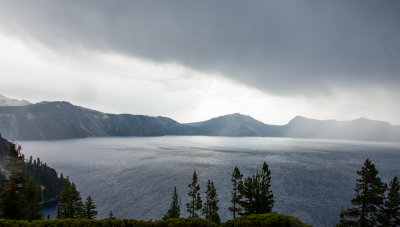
(291, 47)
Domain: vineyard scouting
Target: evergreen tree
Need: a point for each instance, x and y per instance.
(33, 209)
(256, 193)
(236, 196)
(195, 202)
(343, 222)
(111, 215)
(369, 195)
(14, 164)
(90, 208)
(12, 201)
(210, 208)
(390, 212)
(46, 176)
(70, 204)
(266, 196)
(21, 198)
(174, 209)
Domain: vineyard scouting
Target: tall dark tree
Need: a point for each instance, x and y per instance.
(236, 196)
(390, 212)
(14, 163)
(210, 207)
(343, 222)
(369, 195)
(174, 210)
(256, 193)
(266, 197)
(90, 208)
(33, 199)
(12, 201)
(111, 215)
(195, 202)
(70, 204)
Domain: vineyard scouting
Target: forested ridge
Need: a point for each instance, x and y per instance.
(46, 178)
(50, 181)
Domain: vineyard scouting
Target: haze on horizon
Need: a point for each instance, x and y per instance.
(192, 61)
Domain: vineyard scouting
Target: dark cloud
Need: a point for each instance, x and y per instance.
(291, 47)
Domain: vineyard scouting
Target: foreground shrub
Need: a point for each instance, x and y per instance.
(265, 220)
(254, 220)
(173, 222)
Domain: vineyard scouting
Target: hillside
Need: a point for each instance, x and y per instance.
(45, 177)
(5, 101)
(359, 129)
(236, 125)
(62, 120)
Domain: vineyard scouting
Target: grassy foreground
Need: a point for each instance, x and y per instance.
(260, 220)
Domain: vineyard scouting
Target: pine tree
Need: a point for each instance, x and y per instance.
(256, 194)
(174, 210)
(12, 201)
(70, 204)
(369, 195)
(44, 176)
(111, 215)
(33, 209)
(210, 208)
(195, 202)
(266, 197)
(236, 196)
(390, 212)
(247, 190)
(90, 208)
(14, 164)
(343, 222)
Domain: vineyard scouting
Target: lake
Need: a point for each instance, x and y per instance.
(134, 177)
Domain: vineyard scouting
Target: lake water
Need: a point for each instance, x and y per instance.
(135, 176)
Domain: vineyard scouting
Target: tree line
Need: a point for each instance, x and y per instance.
(27, 184)
(70, 204)
(375, 203)
(252, 195)
(47, 178)
(20, 197)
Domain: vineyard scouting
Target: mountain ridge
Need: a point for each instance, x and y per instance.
(5, 101)
(62, 120)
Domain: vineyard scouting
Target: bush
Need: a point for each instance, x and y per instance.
(173, 222)
(254, 220)
(265, 220)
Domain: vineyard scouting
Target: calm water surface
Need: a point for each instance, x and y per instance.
(135, 176)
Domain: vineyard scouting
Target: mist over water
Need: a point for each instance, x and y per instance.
(135, 176)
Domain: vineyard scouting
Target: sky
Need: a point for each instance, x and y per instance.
(194, 60)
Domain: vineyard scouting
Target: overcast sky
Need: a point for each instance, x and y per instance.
(193, 60)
